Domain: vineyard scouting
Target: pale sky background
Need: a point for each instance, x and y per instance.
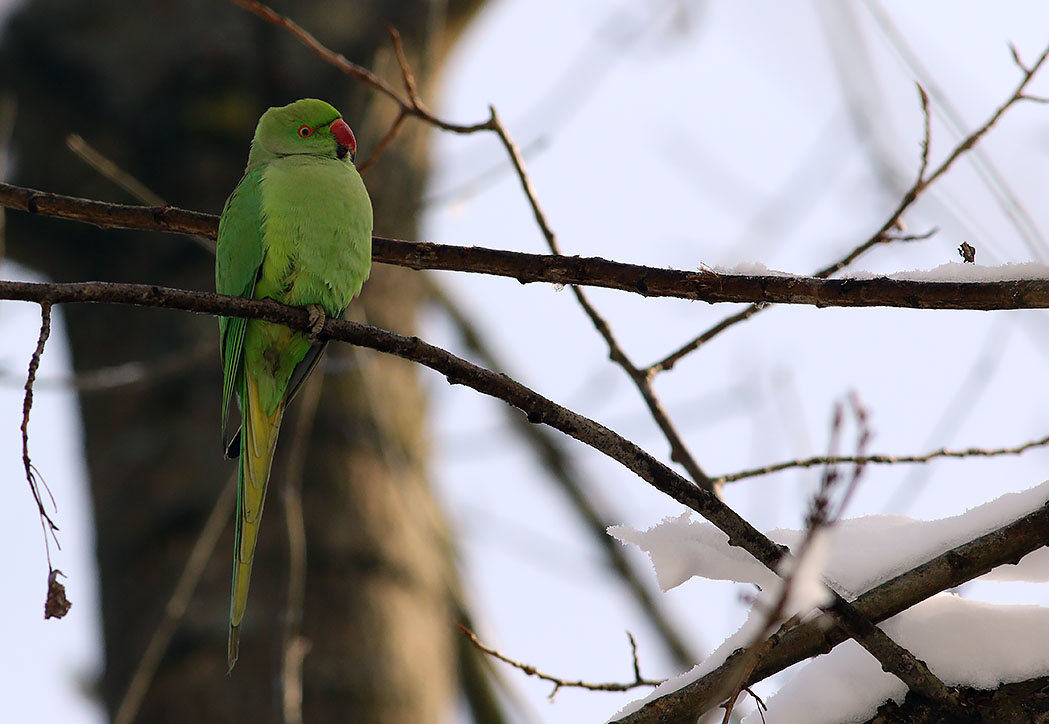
(674, 134)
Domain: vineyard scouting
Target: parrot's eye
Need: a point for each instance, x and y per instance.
(305, 131)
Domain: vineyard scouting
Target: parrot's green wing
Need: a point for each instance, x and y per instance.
(238, 258)
(299, 375)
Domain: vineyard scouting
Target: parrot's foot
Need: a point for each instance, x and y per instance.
(317, 319)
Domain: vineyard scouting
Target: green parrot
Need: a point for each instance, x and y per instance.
(297, 229)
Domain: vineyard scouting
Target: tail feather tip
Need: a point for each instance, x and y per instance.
(233, 652)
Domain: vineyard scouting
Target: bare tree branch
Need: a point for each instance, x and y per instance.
(556, 461)
(882, 235)
(31, 473)
(703, 285)
(560, 682)
(538, 408)
(109, 216)
(412, 106)
(109, 170)
(679, 452)
(882, 459)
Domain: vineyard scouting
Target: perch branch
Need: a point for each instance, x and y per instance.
(457, 371)
(538, 408)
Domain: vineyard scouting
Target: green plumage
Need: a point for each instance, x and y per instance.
(296, 229)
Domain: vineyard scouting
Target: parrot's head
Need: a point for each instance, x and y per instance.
(307, 126)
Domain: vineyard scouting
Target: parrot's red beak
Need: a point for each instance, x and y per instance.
(344, 138)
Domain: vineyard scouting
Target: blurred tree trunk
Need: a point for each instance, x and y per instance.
(172, 91)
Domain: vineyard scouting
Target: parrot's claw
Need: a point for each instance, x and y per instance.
(317, 319)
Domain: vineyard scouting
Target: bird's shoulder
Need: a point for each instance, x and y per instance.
(239, 244)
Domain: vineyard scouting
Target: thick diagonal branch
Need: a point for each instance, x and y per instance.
(458, 371)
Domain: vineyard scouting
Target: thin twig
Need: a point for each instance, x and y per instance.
(562, 683)
(1004, 545)
(31, 473)
(818, 519)
(383, 143)
(882, 459)
(882, 235)
(557, 463)
(175, 608)
(356, 71)
(753, 655)
(406, 71)
(109, 170)
(926, 133)
(894, 658)
(679, 452)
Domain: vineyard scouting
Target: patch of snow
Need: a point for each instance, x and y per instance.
(749, 269)
(956, 271)
(964, 642)
(863, 552)
(807, 591)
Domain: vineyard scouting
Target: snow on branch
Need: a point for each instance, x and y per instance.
(897, 561)
(997, 289)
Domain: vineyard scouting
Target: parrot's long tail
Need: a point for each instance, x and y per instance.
(257, 443)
